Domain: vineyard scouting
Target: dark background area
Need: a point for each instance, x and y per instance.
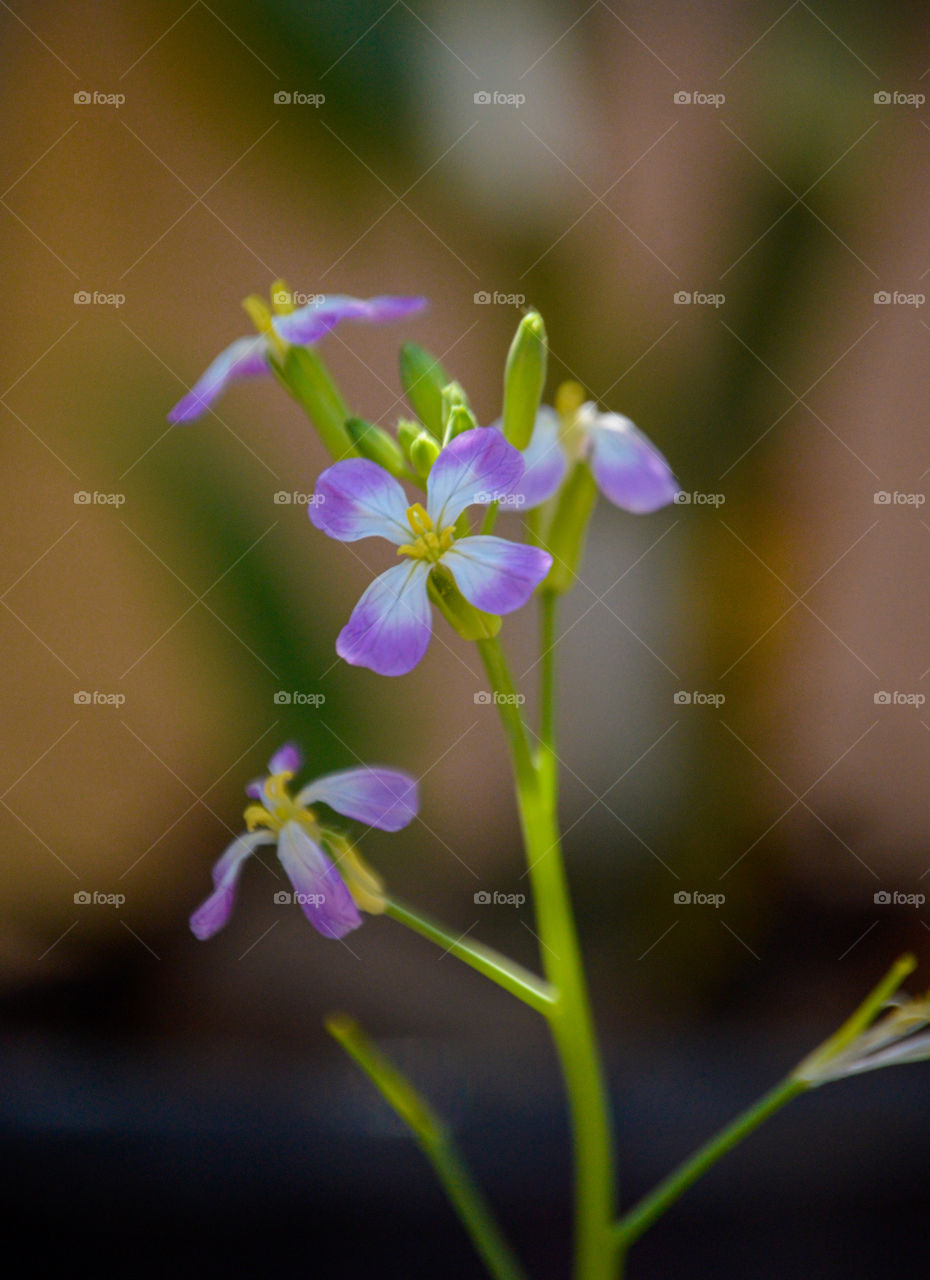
(174, 1104)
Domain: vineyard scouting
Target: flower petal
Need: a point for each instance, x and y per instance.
(311, 323)
(358, 499)
(477, 466)
(286, 759)
(390, 626)
(627, 466)
(383, 798)
(244, 358)
(319, 889)
(496, 575)
(214, 912)
(544, 461)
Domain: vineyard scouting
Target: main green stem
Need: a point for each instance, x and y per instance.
(597, 1250)
(643, 1214)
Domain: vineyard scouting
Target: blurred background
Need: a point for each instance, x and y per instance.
(722, 217)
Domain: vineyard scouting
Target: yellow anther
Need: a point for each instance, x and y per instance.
(258, 312)
(418, 519)
(256, 815)
(281, 298)
(568, 400)
(276, 786)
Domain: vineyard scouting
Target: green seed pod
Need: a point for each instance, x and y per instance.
(375, 444)
(524, 379)
(423, 378)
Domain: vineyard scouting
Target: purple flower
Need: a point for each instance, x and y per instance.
(390, 626)
(330, 897)
(247, 357)
(629, 470)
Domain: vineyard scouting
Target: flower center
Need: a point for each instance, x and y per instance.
(428, 543)
(279, 807)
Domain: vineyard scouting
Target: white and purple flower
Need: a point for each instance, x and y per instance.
(629, 470)
(390, 627)
(329, 896)
(248, 357)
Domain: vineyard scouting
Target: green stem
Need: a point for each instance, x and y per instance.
(632, 1225)
(490, 518)
(520, 982)
(304, 374)
(437, 1145)
(596, 1251)
(546, 757)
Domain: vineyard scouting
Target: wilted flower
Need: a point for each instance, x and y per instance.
(248, 357)
(329, 894)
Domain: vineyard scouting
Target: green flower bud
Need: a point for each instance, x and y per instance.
(424, 451)
(469, 622)
(569, 527)
(423, 378)
(456, 413)
(524, 379)
(374, 443)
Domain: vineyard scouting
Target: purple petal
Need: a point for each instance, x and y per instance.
(214, 912)
(311, 323)
(390, 626)
(383, 798)
(244, 358)
(627, 466)
(358, 499)
(477, 466)
(286, 759)
(496, 575)
(544, 462)
(321, 894)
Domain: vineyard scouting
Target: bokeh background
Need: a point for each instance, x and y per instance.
(178, 1105)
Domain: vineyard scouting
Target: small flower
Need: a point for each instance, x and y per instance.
(390, 627)
(892, 1040)
(629, 470)
(248, 357)
(330, 898)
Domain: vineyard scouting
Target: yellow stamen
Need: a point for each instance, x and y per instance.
(428, 544)
(568, 400)
(362, 881)
(281, 298)
(258, 312)
(256, 815)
